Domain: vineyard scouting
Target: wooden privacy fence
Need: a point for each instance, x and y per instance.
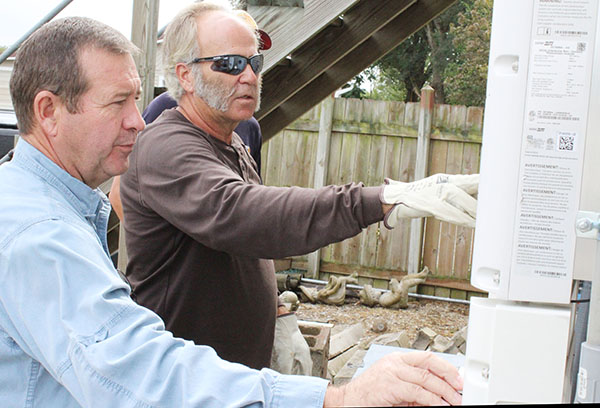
(344, 140)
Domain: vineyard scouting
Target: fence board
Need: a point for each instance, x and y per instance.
(438, 154)
(448, 231)
(361, 173)
(396, 112)
(333, 176)
(288, 172)
(273, 163)
(392, 160)
(464, 239)
(343, 249)
(369, 238)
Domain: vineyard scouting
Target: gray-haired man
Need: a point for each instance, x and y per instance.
(201, 230)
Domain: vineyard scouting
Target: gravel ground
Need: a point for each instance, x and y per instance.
(444, 318)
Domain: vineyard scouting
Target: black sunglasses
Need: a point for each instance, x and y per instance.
(233, 64)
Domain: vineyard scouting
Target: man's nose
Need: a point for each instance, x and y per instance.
(133, 119)
(248, 76)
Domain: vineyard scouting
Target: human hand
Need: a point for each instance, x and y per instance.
(414, 378)
(443, 196)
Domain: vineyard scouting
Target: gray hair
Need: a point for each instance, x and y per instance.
(180, 44)
(49, 60)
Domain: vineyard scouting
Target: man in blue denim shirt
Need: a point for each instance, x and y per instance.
(69, 333)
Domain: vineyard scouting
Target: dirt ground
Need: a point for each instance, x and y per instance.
(444, 318)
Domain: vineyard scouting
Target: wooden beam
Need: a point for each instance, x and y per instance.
(291, 27)
(325, 49)
(379, 44)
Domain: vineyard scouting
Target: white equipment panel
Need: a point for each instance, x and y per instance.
(539, 111)
(515, 353)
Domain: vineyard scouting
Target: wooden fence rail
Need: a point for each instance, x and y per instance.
(368, 141)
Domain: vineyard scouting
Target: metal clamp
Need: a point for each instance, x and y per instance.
(587, 225)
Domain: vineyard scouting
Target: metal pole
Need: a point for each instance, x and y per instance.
(8, 52)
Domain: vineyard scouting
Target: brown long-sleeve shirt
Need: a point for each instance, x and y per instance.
(201, 230)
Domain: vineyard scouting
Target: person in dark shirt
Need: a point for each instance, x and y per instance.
(202, 230)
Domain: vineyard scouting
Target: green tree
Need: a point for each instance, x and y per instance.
(465, 76)
(450, 53)
(406, 68)
(423, 57)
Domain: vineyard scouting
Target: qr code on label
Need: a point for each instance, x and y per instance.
(566, 141)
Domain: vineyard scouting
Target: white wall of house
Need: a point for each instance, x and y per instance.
(5, 70)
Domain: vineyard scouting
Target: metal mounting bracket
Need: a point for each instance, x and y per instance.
(587, 225)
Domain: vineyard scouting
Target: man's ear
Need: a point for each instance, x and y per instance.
(46, 110)
(185, 76)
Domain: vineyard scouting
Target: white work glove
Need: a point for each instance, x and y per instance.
(291, 354)
(443, 196)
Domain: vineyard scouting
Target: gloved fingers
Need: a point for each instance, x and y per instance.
(466, 182)
(439, 207)
(460, 199)
(455, 216)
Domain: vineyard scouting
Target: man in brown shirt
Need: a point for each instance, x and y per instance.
(201, 230)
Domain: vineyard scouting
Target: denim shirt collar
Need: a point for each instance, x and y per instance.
(92, 204)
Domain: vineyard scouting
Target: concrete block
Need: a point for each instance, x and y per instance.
(318, 336)
(399, 339)
(426, 290)
(460, 337)
(336, 364)
(347, 372)
(365, 281)
(424, 339)
(344, 340)
(380, 284)
(441, 344)
(442, 292)
(458, 294)
(453, 350)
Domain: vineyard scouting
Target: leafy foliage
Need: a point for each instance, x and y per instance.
(466, 76)
(450, 53)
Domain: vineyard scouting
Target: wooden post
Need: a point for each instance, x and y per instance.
(143, 34)
(322, 163)
(423, 141)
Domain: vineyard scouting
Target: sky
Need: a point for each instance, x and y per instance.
(19, 16)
